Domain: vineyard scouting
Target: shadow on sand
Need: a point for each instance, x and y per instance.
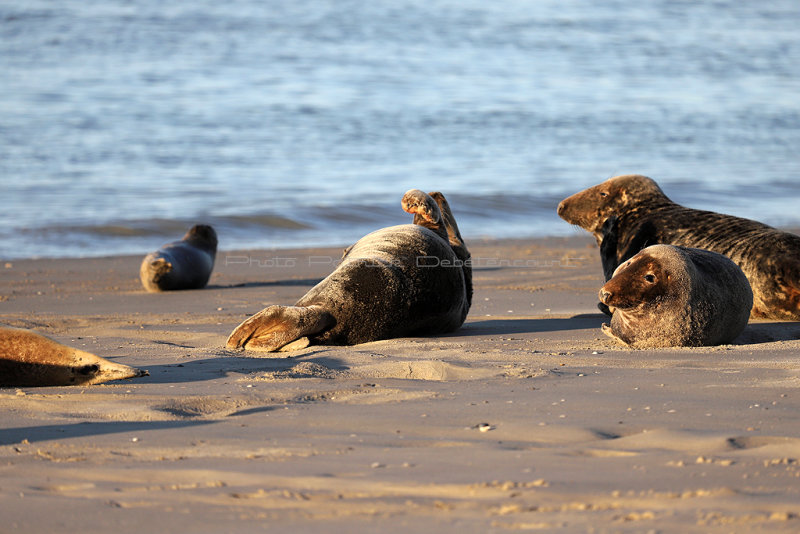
(34, 434)
(214, 368)
(309, 282)
(757, 333)
(529, 326)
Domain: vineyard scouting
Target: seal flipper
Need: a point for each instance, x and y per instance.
(645, 235)
(606, 329)
(611, 255)
(608, 254)
(277, 326)
(608, 246)
(453, 235)
(426, 211)
(456, 242)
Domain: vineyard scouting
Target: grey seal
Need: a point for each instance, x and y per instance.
(407, 280)
(628, 213)
(30, 359)
(667, 296)
(184, 264)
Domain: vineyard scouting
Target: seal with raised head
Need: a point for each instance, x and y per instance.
(628, 213)
(30, 359)
(668, 296)
(407, 280)
(184, 264)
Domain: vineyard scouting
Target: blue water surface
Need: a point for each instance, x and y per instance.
(123, 122)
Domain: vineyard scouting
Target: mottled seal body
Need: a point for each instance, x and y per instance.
(30, 359)
(412, 279)
(668, 296)
(184, 264)
(644, 215)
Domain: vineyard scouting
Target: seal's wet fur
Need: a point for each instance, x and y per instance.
(412, 279)
(184, 264)
(668, 296)
(769, 258)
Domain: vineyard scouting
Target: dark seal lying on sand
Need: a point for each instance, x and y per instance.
(667, 296)
(412, 279)
(645, 216)
(30, 359)
(184, 264)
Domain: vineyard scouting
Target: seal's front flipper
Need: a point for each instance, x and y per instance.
(608, 253)
(607, 330)
(608, 246)
(277, 326)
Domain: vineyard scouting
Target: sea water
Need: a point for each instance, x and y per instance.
(285, 124)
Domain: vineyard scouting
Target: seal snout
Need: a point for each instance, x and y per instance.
(605, 295)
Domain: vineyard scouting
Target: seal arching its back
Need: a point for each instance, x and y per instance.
(411, 279)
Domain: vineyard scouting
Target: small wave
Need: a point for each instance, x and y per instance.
(114, 229)
(337, 224)
(266, 220)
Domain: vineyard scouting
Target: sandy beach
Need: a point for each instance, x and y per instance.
(527, 418)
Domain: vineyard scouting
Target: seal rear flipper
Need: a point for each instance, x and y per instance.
(277, 326)
(449, 222)
(425, 210)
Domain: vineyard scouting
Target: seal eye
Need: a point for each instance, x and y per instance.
(603, 194)
(650, 278)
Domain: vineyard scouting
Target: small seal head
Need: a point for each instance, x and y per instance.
(202, 236)
(646, 282)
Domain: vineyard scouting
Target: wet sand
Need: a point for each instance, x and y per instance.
(527, 418)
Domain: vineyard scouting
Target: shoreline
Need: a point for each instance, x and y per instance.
(527, 417)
